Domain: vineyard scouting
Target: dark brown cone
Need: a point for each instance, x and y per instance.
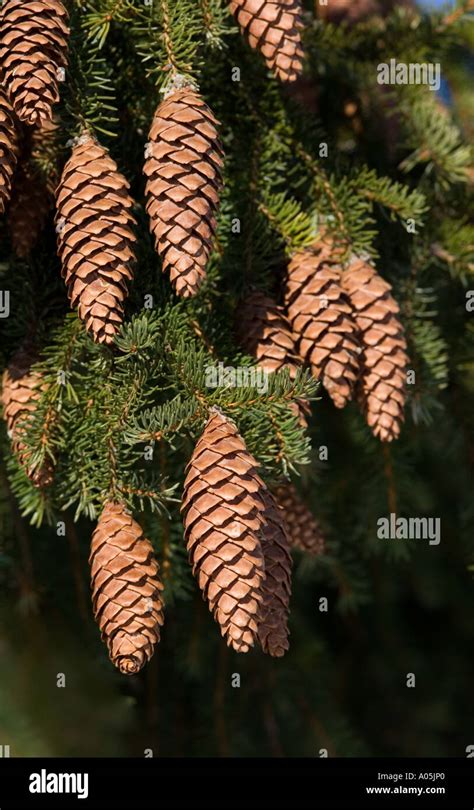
(28, 213)
(44, 153)
(222, 514)
(20, 393)
(321, 319)
(96, 239)
(263, 331)
(276, 589)
(274, 28)
(33, 47)
(304, 530)
(8, 149)
(126, 589)
(184, 169)
(384, 359)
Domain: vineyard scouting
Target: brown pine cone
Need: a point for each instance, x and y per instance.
(28, 213)
(274, 28)
(8, 149)
(304, 530)
(384, 359)
(33, 48)
(276, 589)
(321, 319)
(183, 165)
(126, 589)
(20, 393)
(222, 514)
(263, 331)
(95, 237)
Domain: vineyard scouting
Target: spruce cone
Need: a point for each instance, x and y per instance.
(321, 319)
(276, 588)
(263, 331)
(384, 358)
(126, 589)
(8, 149)
(223, 520)
(95, 237)
(29, 209)
(33, 47)
(184, 170)
(20, 393)
(304, 530)
(274, 28)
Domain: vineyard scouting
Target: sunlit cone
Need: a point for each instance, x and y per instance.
(126, 589)
(222, 514)
(384, 359)
(183, 165)
(96, 239)
(33, 50)
(273, 27)
(321, 319)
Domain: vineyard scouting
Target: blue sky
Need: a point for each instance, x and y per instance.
(435, 3)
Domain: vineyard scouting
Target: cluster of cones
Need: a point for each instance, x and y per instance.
(183, 164)
(239, 535)
(341, 321)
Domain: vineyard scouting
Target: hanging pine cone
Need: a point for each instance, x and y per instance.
(126, 589)
(274, 28)
(263, 331)
(384, 358)
(184, 169)
(29, 209)
(20, 393)
(276, 588)
(222, 514)
(33, 48)
(321, 319)
(8, 149)
(304, 530)
(95, 237)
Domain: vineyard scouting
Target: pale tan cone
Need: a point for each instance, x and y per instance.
(21, 389)
(276, 589)
(321, 319)
(384, 359)
(304, 530)
(183, 165)
(126, 589)
(274, 28)
(96, 239)
(264, 332)
(33, 48)
(8, 149)
(223, 519)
